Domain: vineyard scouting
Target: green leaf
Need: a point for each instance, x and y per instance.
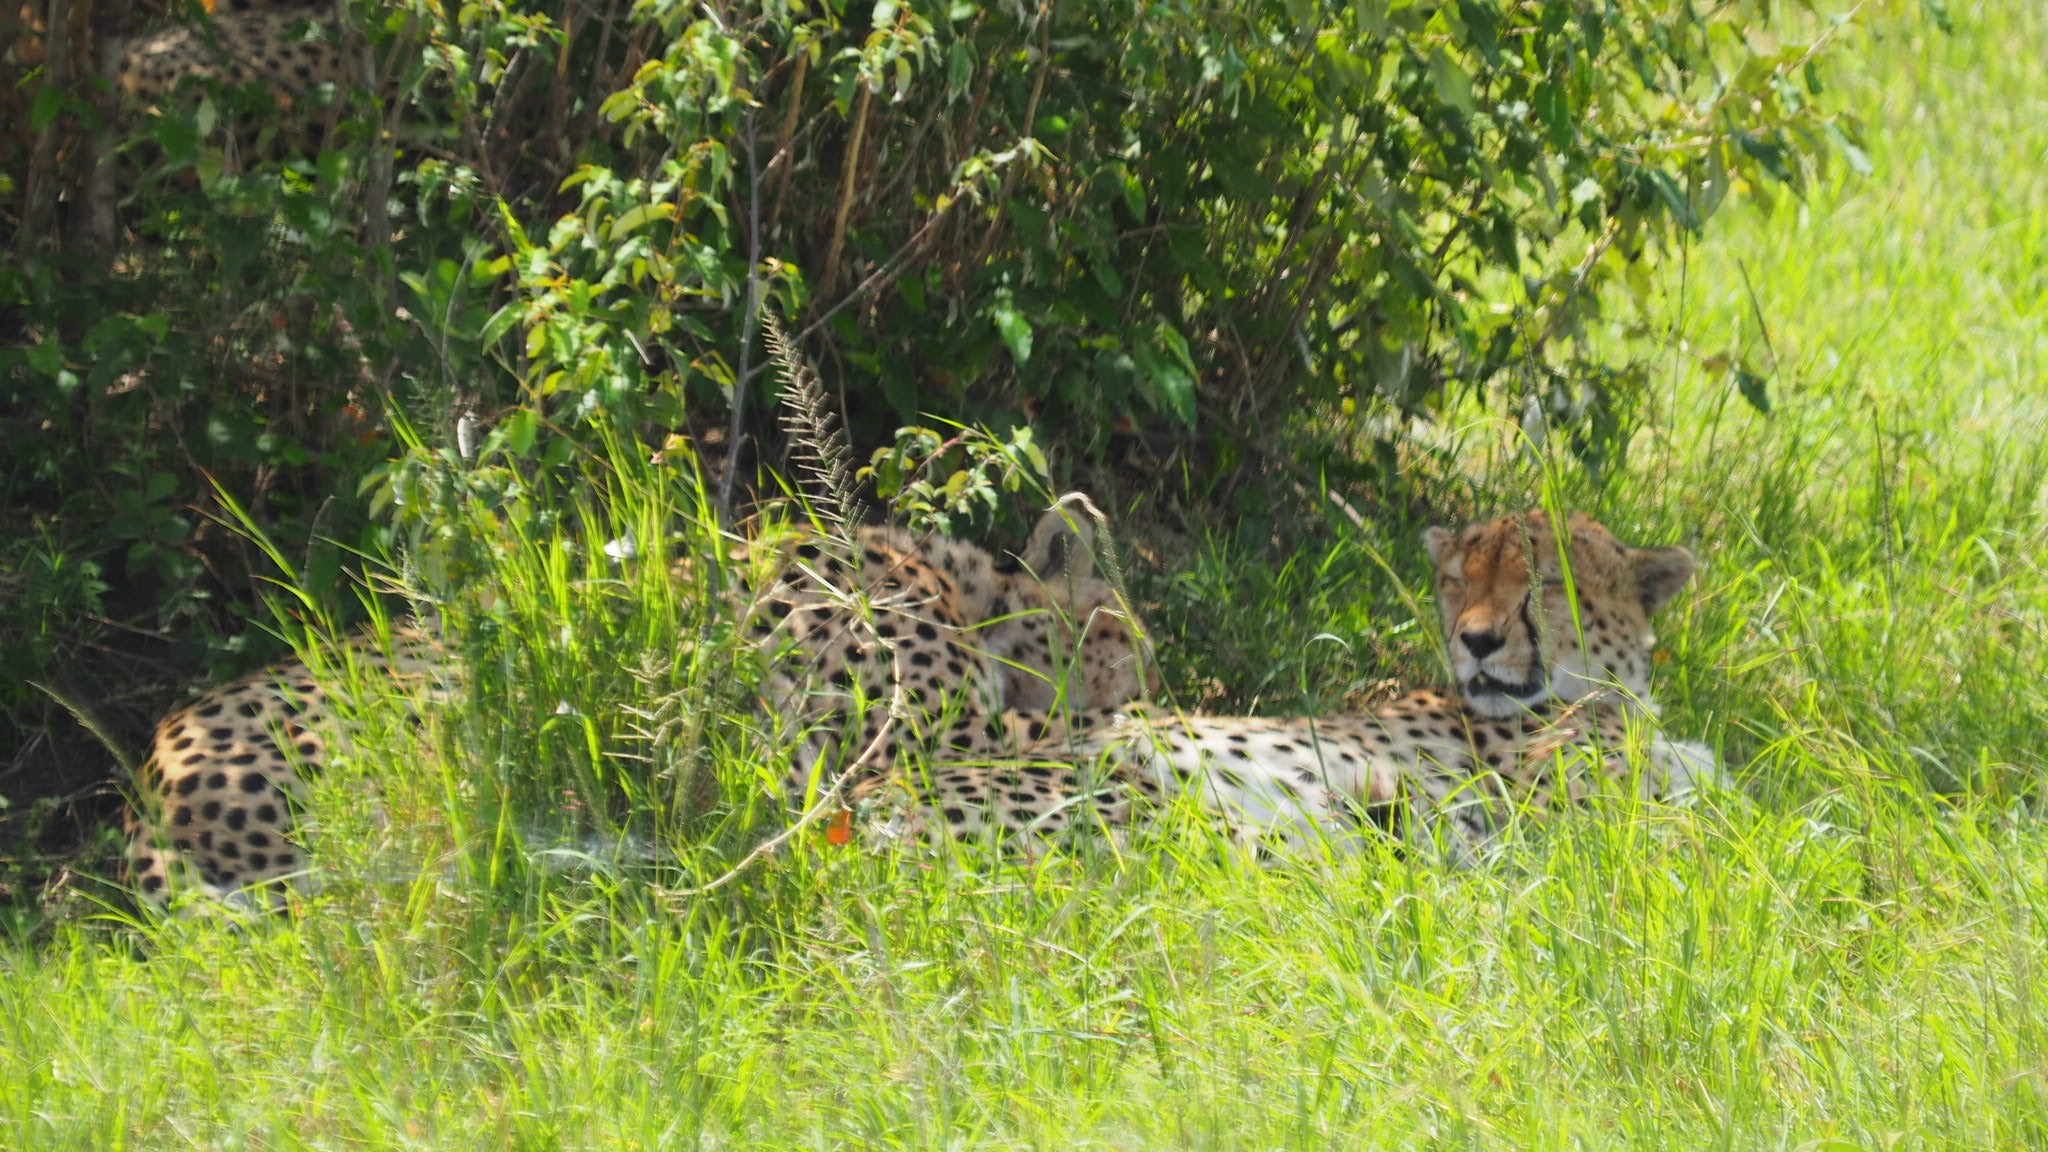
(501, 322)
(1769, 154)
(48, 103)
(518, 431)
(1016, 330)
(959, 69)
(1674, 199)
(1555, 110)
(1166, 366)
(637, 217)
(1482, 27)
(1751, 386)
(1453, 85)
(1858, 159)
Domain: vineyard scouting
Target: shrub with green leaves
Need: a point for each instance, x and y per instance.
(1214, 229)
(1191, 222)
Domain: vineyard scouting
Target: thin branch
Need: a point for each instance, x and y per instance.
(882, 277)
(44, 183)
(891, 270)
(736, 427)
(851, 169)
(988, 237)
(783, 164)
(377, 186)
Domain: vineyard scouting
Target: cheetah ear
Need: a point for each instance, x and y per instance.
(1438, 541)
(1661, 573)
(1062, 545)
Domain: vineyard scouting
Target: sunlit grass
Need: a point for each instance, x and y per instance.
(1849, 958)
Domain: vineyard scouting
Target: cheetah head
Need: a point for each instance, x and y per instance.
(1515, 633)
(1057, 629)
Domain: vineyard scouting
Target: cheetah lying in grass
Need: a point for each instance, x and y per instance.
(970, 650)
(1550, 641)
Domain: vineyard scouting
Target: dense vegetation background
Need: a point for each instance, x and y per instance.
(1846, 953)
(1214, 258)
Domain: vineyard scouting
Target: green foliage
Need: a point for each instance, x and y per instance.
(1186, 220)
(242, 330)
(933, 479)
(558, 227)
(1849, 959)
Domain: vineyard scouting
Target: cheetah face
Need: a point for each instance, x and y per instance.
(1518, 636)
(1057, 631)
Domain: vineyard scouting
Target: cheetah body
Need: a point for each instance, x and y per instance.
(1552, 700)
(904, 646)
(291, 47)
(931, 646)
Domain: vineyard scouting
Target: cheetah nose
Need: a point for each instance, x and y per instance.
(1481, 642)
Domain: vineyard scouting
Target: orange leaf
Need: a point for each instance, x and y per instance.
(840, 830)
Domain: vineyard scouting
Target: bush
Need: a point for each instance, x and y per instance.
(1174, 220)
(1210, 229)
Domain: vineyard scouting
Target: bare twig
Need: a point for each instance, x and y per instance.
(736, 426)
(44, 182)
(101, 191)
(1579, 279)
(892, 269)
(882, 277)
(586, 120)
(851, 169)
(988, 237)
(783, 164)
(377, 185)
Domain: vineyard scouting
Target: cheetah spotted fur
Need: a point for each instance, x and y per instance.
(985, 654)
(1550, 642)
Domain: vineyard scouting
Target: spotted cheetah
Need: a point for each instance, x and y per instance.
(1550, 642)
(299, 52)
(291, 47)
(984, 654)
(988, 656)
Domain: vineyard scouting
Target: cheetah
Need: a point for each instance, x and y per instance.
(1550, 642)
(988, 656)
(292, 47)
(297, 51)
(970, 656)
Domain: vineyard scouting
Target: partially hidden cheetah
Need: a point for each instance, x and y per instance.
(987, 655)
(291, 47)
(903, 645)
(1550, 643)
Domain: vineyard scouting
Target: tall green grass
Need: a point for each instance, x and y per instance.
(1848, 958)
